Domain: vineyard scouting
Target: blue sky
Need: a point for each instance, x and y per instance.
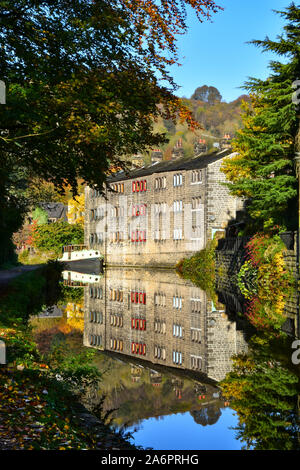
(181, 432)
(216, 54)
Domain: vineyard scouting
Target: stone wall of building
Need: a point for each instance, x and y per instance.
(221, 206)
(178, 212)
(224, 340)
(178, 321)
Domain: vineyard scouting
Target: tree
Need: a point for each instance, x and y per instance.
(52, 237)
(82, 86)
(83, 89)
(40, 215)
(76, 210)
(210, 95)
(42, 191)
(263, 390)
(263, 170)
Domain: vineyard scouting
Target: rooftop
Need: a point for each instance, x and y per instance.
(55, 210)
(180, 164)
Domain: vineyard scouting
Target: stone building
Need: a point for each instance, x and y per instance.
(161, 213)
(200, 146)
(156, 316)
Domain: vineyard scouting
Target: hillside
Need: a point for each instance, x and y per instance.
(216, 117)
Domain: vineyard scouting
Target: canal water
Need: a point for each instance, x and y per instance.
(162, 345)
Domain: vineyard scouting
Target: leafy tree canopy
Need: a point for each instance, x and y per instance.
(52, 237)
(82, 82)
(40, 215)
(263, 171)
(208, 94)
(263, 389)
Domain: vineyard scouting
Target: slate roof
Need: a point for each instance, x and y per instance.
(55, 210)
(171, 165)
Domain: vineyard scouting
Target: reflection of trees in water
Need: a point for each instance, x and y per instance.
(206, 416)
(264, 389)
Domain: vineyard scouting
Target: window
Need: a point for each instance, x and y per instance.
(138, 209)
(139, 186)
(118, 188)
(116, 344)
(138, 297)
(159, 326)
(195, 305)
(178, 331)
(138, 324)
(116, 320)
(177, 357)
(196, 335)
(196, 362)
(177, 180)
(196, 203)
(177, 302)
(138, 236)
(160, 352)
(196, 177)
(116, 295)
(95, 340)
(177, 206)
(138, 348)
(177, 234)
(159, 299)
(160, 183)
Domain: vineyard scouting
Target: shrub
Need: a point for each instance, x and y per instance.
(265, 282)
(200, 268)
(52, 237)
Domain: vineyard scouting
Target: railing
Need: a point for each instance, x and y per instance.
(70, 248)
(232, 243)
(289, 239)
(238, 243)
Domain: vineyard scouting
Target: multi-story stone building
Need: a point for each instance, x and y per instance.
(156, 316)
(160, 213)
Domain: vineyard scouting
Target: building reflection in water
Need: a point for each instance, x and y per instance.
(158, 318)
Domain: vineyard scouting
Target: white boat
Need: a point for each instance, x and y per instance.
(75, 279)
(79, 252)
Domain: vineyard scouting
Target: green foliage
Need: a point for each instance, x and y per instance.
(24, 297)
(207, 94)
(29, 293)
(247, 280)
(216, 119)
(265, 281)
(81, 85)
(40, 215)
(200, 268)
(263, 390)
(263, 172)
(52, 237)
(20, 347)
(13, 206)
(69, 294)
(74, 369)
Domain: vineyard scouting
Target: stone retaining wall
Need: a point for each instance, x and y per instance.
(228, 264)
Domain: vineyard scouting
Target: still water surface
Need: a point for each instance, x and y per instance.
(163, 346)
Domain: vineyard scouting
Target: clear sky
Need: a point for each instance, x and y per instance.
(216, 54)
(181, 432)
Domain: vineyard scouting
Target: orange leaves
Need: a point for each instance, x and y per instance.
(161, 22)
